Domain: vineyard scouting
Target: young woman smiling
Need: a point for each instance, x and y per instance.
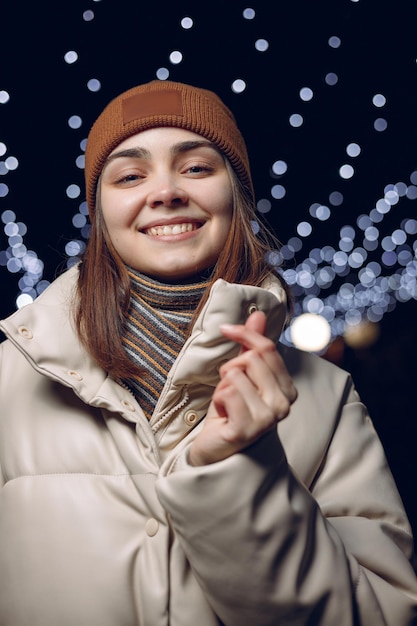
(165, 461)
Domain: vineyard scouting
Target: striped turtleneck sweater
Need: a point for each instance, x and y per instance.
(155, 331)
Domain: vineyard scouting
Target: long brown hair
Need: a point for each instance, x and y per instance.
(104, 285)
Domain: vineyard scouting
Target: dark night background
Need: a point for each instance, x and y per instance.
(128, 40)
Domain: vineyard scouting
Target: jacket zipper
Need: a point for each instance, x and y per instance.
(164, 418)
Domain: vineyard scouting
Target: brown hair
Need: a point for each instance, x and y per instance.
(104, 285)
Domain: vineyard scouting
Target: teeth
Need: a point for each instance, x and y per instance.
(174, 229)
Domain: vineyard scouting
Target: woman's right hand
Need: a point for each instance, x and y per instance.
(254, 393)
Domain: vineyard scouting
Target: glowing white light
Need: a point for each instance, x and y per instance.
(249, 14)
(380, 124)
(23, 299)
(11, 163)
(353, 150)
(3, 148)
(94, 85)
(75, 121)
(162, 73)
(187, 23)
(71, 57)
(79, 220)
(383, 206)
(306, 94)
(261, 45)
(310, 332)
(88, 16)
(238, 85)
(304, 229)
(347, 231)
(296, 120)
(279, 167)
(399, 237)
(278, 192)
(4, 97)
(331, 78)
(346, 171)
(392, 197)
(73, 191)
(175, 57)
(379, 100)
(334, 42)
(8, 216)
(74, 247)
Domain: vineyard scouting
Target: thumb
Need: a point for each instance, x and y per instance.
(257, 322)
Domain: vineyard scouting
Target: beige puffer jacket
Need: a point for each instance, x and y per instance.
(103, 523)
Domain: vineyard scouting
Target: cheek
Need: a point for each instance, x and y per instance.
(116, 215)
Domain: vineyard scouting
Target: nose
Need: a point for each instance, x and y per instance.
(167, 191)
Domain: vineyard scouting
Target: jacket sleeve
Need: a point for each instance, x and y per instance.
(2, 481)
(269, 551)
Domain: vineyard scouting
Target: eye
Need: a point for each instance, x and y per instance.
(198, 168)
(127, 178)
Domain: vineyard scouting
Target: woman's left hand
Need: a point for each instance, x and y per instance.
(254, 393)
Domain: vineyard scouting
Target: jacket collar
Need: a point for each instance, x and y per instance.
(44, 332)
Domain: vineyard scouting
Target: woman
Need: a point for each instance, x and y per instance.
(144, 478)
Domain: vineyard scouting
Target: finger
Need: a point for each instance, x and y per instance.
(257, 322)
(254, 416)
(250, 335)
(267, 372)
(274, 385)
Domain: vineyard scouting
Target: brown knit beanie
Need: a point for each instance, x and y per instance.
(164, 103)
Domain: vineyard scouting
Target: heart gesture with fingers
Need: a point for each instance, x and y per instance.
(254, 393)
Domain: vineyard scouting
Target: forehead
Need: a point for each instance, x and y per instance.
(160, 136)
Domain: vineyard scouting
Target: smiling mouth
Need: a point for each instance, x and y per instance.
(172, 229)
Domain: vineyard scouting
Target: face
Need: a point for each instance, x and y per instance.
(166, 199)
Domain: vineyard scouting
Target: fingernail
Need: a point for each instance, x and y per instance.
(226, 327)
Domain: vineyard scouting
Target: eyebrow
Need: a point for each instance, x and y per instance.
(144, 153)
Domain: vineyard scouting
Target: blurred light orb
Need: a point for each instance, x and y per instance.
(310, 332)
(238, 85)
(70, 57)
(94, 85)
(162, 73)
(346, 171)
(279, 168)
(353, 150)
(379, 100)
(361, 335)
(334, 42)
(88, 16)
(331, 79)
(75, 121)
(296, 120)
(4, 97)
(23, 299)
(306, 94)
(187, 23)
(248, 14)
(261, 45)
(175, 57)
(380, 124)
